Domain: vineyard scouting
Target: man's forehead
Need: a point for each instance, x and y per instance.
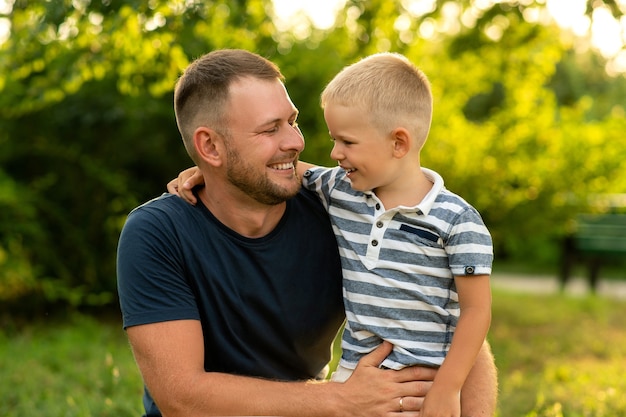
(268, 99)
(247, 83)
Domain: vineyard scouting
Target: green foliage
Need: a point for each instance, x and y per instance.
(18, 220)
(501, 139)
(524, 128)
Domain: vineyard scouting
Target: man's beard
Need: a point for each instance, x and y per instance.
(257, 185)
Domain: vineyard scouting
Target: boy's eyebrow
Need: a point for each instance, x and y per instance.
(341, 137)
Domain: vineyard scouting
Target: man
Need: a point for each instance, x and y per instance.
(230, 306)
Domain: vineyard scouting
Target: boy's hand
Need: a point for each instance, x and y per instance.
(186, 181)
(441, 403)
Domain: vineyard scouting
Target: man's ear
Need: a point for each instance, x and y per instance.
(401, 142)
(209, 145)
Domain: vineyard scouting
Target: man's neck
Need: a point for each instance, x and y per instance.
(241, 213)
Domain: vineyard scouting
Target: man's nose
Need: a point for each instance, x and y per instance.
(295, 139)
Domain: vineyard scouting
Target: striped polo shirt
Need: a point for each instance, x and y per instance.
(398, 267)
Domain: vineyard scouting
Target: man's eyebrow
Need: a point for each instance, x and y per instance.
(293, 115)
(268, 123)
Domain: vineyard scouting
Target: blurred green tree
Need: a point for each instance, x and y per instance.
(525, 127)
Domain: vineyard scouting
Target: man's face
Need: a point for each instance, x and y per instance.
(265, 141)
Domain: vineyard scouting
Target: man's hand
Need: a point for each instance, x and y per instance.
(186, 181)
(384, 392)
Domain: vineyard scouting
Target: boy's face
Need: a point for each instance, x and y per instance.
(360, 148)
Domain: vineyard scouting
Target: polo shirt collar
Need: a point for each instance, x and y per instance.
(429, 199)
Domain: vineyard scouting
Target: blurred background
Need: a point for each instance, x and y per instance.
(529, 126)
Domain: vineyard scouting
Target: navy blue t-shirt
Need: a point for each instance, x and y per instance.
(269, 307)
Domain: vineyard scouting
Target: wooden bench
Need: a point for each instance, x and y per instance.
(599, 239)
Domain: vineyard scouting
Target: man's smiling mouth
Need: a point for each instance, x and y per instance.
(283, 166)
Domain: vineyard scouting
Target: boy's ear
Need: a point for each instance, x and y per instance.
(401, 142)
(209, 145)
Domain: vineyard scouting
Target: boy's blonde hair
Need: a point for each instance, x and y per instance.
(390, 89)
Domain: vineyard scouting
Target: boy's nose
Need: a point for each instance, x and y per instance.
(336, 153)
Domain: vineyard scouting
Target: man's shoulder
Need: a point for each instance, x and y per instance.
(166, 209)
(164, 203)
(306, 199)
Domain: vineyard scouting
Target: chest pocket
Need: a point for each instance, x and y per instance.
(425, 234)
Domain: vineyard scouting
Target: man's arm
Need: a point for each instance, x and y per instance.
(479, 395)
(170, 356)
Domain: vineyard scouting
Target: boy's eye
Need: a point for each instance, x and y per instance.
(341, 141)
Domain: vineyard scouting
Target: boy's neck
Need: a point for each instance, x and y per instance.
(407, 191)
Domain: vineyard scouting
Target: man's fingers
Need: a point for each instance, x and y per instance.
(411, 404)
(416, 373)
(377, 356)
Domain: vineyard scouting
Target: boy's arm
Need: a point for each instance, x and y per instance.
(301, 168)
(192, 177)
(185, 182)
(471, 330)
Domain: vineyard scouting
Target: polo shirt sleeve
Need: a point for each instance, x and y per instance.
(321, 180)
(469, 245)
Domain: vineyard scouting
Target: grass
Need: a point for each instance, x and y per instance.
(558, 356)
(78, 367)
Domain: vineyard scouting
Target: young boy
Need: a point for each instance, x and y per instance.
(416, 258)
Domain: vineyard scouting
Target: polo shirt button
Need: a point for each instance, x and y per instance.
(469, 270)
(374, 243)
(377, 206)
(379, 224)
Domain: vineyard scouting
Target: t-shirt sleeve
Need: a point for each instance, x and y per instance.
(151, 274)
